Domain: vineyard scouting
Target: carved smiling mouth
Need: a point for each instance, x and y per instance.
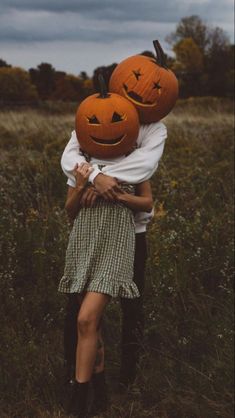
(135, 98)
(108, 142)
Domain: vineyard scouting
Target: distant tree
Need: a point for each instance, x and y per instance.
(189, 58)
(218, 40)
(88, 87)
(4, 64)
(44, 78)
(219, 63)
(230, 75)
(218, 54)
(209, 50)
(83, 75)
(15, 85)
(59, 75)
(191, 27)
(188, 66)
(69, 88)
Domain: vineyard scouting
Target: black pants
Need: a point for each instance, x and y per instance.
(132, 324)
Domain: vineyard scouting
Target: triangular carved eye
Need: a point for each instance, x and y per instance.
(116, 117)
(93, 120)
(137, 74)
(157, 86)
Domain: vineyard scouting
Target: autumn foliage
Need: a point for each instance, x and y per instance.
(15, 85)
(203, 60)
(203, 63)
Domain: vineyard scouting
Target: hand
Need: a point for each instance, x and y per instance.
(107, 186)
(89, 197)
(81, 173)
(122, 196)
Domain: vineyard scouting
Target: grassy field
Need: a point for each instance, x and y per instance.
(186, 363)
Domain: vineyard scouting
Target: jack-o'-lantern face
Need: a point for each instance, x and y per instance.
(147, 83)
(107, 125)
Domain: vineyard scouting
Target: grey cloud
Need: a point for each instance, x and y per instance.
(72, 35)
(148, 10)
(103, 21)
(43, 26)
(79, 35)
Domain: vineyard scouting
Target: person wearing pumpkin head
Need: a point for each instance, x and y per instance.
(133, 169)
(100, 254)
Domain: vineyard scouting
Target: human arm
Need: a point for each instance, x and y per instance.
(133, 169)
(141, 201)
(143, 162)
(72, 156)
(137, 166)
(74, 195)
(105, 185)
(89, 194)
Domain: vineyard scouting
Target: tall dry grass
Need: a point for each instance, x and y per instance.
(186, 359)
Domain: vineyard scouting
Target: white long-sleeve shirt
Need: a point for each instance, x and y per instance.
(133, 169)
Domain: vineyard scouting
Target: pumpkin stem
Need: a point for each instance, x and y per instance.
(161, 57)
(103, 88)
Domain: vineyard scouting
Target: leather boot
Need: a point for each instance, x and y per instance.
(79, 400)
(100, 395)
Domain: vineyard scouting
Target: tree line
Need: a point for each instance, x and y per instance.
(203, 63)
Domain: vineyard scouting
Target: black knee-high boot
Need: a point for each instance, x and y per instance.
(100, 395)
(79, 400)
(133, 317)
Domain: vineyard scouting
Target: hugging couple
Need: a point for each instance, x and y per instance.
(113, 152)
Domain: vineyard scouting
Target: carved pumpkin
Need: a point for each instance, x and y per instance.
(107, 125)
(147, 83)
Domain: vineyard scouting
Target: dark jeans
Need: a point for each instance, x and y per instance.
(133, 316)
(132, 324)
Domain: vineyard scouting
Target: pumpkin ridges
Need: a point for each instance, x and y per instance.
(165, 99)
(148, 86)
(92, 137)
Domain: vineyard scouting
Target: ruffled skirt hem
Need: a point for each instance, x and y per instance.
(123, 289)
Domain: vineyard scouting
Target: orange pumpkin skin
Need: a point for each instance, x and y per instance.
(153, 89)
(106, 127)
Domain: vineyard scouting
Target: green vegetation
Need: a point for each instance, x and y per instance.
(186, 363)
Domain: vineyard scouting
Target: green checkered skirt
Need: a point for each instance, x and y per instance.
(100, 252)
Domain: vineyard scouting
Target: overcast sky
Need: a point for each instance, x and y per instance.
(80, 35)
